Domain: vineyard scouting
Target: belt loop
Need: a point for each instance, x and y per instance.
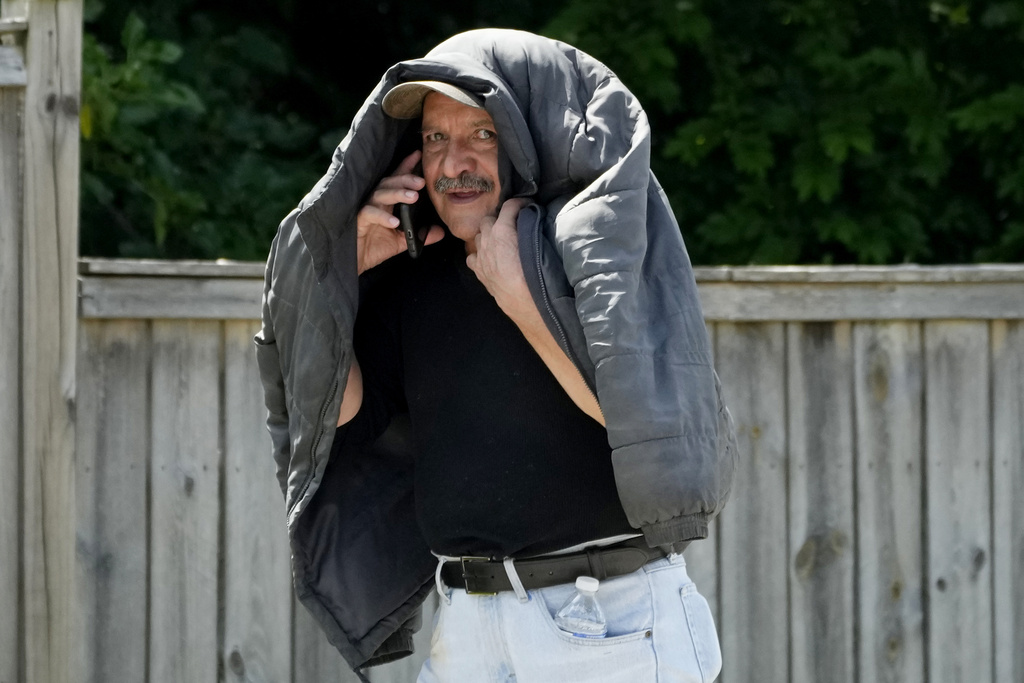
(442, 590)
(596, 564)
(513, 578)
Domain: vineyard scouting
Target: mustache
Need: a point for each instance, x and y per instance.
(465, 182)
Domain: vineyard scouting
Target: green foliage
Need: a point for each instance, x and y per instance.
(827, 130)
(181, 155)
(642, 37)
(122, 162)
(785, 131)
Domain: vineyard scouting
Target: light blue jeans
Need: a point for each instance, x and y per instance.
(660, 630)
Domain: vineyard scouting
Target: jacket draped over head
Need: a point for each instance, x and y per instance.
(606, 264)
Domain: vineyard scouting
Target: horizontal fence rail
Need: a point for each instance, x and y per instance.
(875, 531)
(232, 290)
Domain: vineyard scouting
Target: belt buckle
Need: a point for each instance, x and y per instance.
(466, 577)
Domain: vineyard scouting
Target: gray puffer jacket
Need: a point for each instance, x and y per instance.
(606, 264)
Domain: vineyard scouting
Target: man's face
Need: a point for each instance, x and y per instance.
(460, 164)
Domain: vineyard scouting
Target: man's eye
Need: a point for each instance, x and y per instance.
(485, 134)
(433, 137)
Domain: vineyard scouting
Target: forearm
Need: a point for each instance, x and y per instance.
(352, 399)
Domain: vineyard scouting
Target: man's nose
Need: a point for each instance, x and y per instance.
(458, 159)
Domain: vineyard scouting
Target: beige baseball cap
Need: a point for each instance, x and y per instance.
(405, 100)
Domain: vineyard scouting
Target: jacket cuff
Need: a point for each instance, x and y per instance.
(399, 644)
(684, 528)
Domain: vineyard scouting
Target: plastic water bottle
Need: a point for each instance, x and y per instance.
(581, 615)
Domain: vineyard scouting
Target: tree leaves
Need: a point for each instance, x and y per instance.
(831, 131)
(179, 159)
(1003, 110)
(838, 130)
(814, 173)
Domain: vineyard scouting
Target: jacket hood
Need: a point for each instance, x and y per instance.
(540, 94)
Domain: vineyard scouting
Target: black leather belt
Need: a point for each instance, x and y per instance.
(484, 575)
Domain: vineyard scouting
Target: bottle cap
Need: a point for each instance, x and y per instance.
(588, 584)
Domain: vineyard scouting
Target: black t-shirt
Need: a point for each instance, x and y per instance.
(505, 464)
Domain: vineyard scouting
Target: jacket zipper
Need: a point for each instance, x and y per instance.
(558, 324)
(316, 445)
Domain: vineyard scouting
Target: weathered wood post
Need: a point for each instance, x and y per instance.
(12, 96)
(39, 219)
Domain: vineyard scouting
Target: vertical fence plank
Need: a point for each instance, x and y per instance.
(889, 401)
(702, 557)
(752, 359)
(49, 252)
(257, 630)
(112, 443)
(11, 102)
(1008, 498)
(958, 467)
(820, 366)
(185, 523)
(12, 99)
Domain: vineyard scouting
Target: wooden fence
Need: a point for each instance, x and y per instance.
(875, 533)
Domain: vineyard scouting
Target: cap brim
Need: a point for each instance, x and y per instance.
(405, 100)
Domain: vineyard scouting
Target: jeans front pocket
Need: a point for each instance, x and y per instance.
(625, 655)
(625, 602)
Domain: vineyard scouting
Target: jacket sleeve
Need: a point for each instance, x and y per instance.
(636, 300)
(268, 360)
(303, 359)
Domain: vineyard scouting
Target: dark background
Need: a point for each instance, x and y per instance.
(801, 131)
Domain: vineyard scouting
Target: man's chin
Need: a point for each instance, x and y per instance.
(465, 230)
(465, 225)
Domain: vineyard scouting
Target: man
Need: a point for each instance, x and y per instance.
(529, 401)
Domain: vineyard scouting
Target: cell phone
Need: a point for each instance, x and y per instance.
(413, 241)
